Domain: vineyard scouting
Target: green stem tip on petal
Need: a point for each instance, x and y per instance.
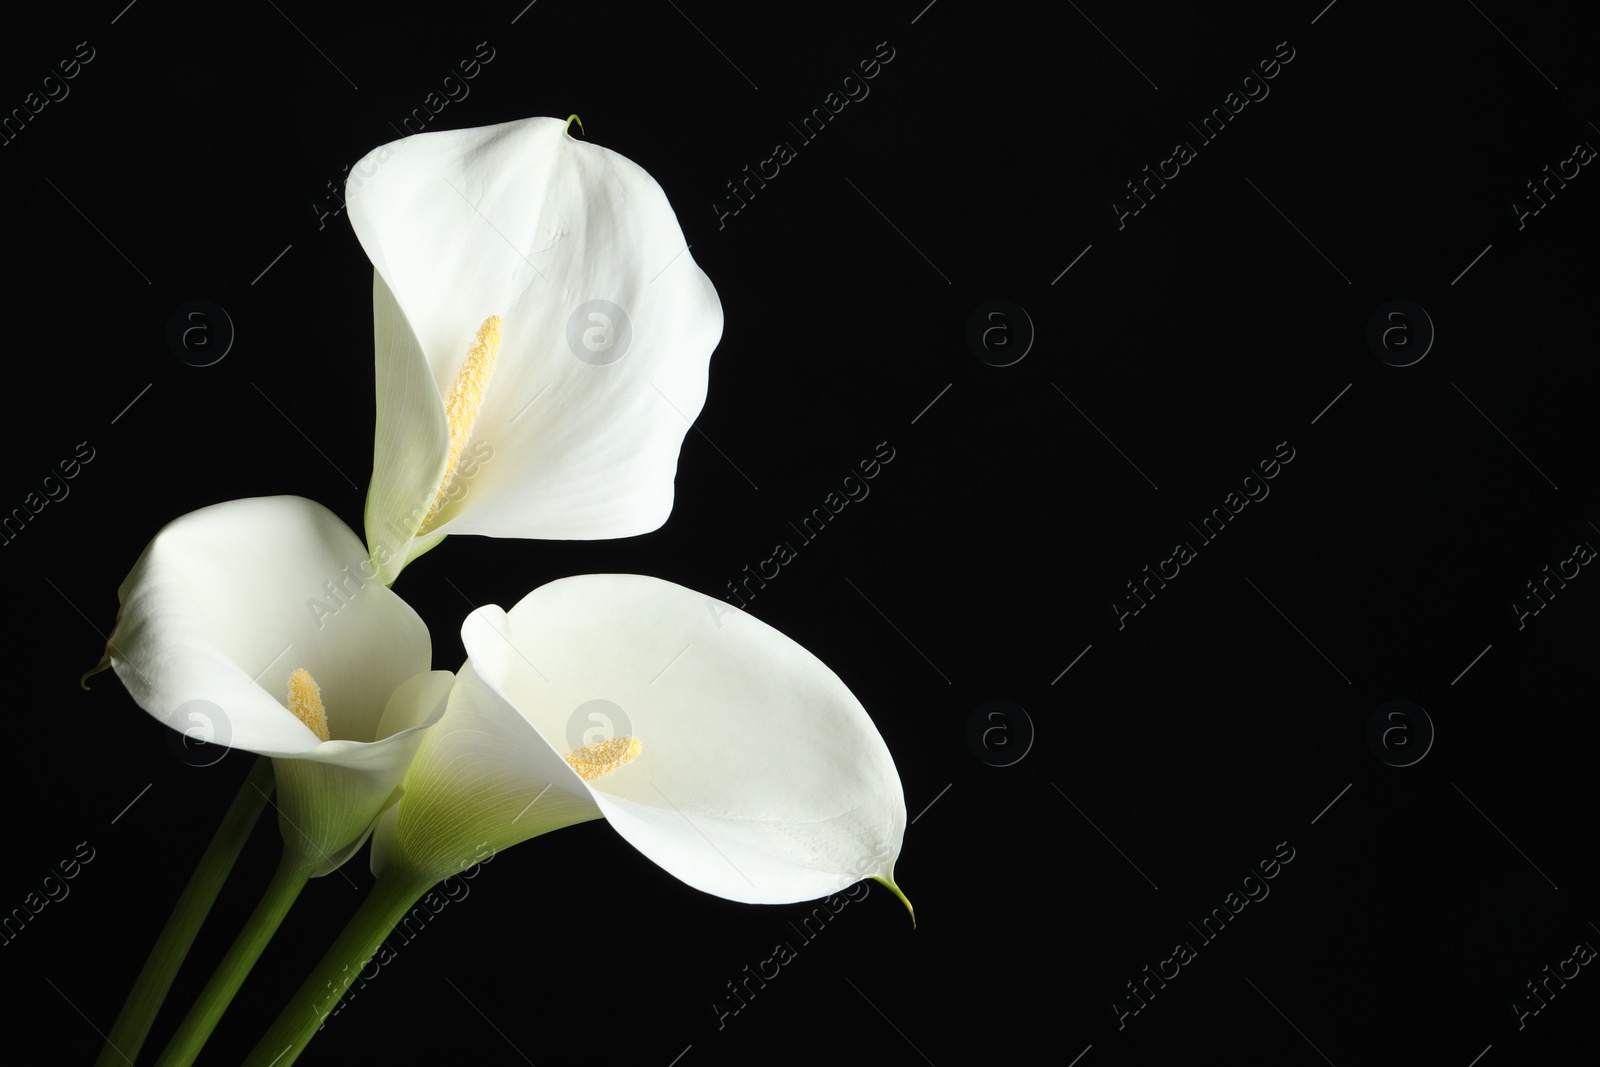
(105, 661)
(574, 118)
(889, 884)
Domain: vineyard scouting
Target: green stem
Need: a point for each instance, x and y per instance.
(302, 1017)
(291, 876)
(133, 1024)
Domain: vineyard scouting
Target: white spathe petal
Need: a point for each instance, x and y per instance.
(226, 602)
(421, 701)
(523, 221)
(482, 779)
(412, 440)
(761, 777)
(743, 857)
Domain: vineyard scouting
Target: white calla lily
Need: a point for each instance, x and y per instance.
(264, 616)
(543, 338)
(734, 758)
(237, 612)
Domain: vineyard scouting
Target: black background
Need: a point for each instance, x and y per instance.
(1177, 751)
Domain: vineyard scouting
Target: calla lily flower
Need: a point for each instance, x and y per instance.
(726, 753)
(542, 337)
(262, 621)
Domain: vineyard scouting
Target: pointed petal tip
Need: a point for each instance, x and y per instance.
(83, 679)
(888, 883)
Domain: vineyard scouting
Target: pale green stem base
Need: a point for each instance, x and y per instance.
(391, 897)
(149, 991)
(291, 877)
